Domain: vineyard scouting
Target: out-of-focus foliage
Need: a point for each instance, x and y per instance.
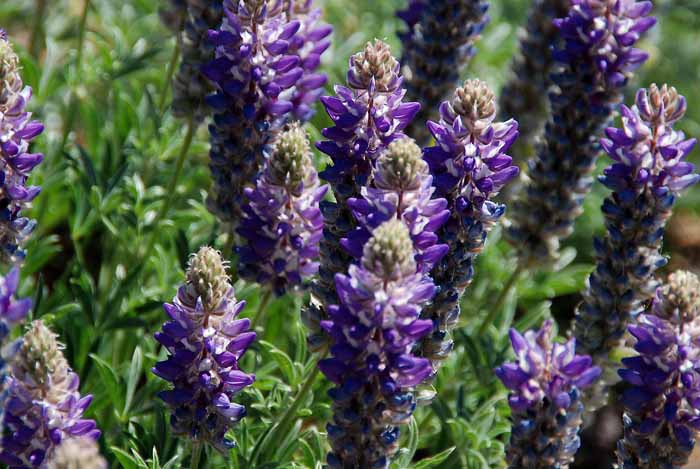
(101, 263)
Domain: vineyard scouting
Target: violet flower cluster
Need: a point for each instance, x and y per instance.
(193, 19)
(648, 172)
(264, 74)
(12, 312)
(470, 166)
(367, 115)
(205, 341)
(438, 43)
(17, 130)
(545, 400)
(524, 96)
(374, 330)
(661, 419)
(44, 407)
(594, 63)
(282, 222)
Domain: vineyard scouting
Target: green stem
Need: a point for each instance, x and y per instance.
(37, 27)
(262, 308)
(196, 454)
(282, 427)
(172, 185)
(168, 78)
(496, 307)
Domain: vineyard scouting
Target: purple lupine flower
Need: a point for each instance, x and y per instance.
(524, 96)
(17, 130)
(438, 43)
(470, 166)
(367, 115)
(594, 61)
(661, 419)
(545, 400)
(205, 341)
(190, 86)
(12, 312)
(282, 222)
(77, 453)
(44, 406)
(261, 80)
(310, 42)
(374, 330)
(648, 172)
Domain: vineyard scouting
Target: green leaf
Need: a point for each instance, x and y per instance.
(285, 364)
(434, 461)
(125, 459)
(134, 375)
(110, 380)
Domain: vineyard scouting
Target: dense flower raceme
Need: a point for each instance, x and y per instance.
(662, 420)
(17, 130)
(12, 312)
(470, 166)
(545, 400)
(647, 174)
(283, 223)
(44, 407)
(374, 329)
(264, 75)
(438, 43)
(401, 187)
(193, 20)
(367, 115)
(524, 97)
(77, 453)
(205, 341)
(593, 64)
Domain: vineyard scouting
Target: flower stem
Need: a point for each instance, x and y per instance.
(184, 149)
(262, 309)
(196, 454)
(168, 78)
(37, 27)
(496, 307)
(282, 427)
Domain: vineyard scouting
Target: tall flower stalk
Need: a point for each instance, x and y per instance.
(524, 96)
(647, 174)
(367, 115)
(545, 400)
(282, 222)
(264, 75)
(661, 419)
(593, 64)
(17, 130)
(44, 407)
(374, 329)
(205, 341)
(470, 166)
(438, 43)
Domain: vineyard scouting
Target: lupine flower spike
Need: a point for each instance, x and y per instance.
(77, 453)
(283, 223)
(647, 174)
(17, 130)
(44, 407)
(205, 341)
(367, 115)
(470, 166)
(374, 330)
(264, 75)
(190, 87)
(593, 64)
(545, 400)
(438, 43)
(12, 312)
(661, 419)
(524, 97)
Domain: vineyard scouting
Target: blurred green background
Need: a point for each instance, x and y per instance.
(98, 76)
